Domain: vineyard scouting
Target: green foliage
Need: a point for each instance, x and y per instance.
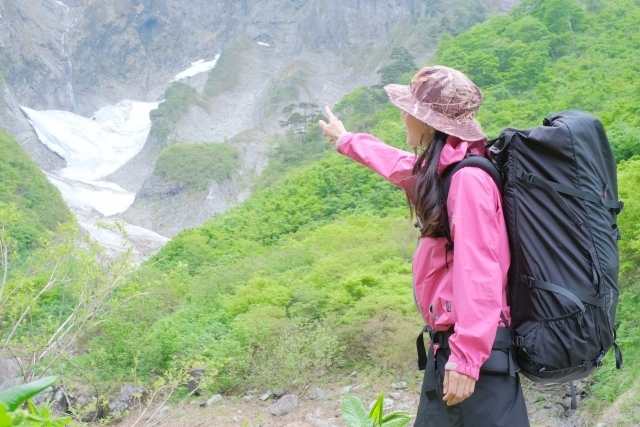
(554, 55)
(37, 203)
(628, 183)
(287, 85)
(355, 415)
(178, 98)
(358, 110)
(196, 165)
(400, 62)
(13, 398)
(314, 267)
(225, 76)
(292, 357)
(301, 144)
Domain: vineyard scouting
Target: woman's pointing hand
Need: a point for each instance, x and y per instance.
(334, 129)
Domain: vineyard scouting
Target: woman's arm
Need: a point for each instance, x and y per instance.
(392, 164)
(478, 277)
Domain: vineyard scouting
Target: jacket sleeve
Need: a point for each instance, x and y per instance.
(392, 164)
(473, 208)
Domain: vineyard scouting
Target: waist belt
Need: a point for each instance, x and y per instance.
(501, 360)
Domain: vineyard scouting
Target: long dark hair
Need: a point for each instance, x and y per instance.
(429, 204)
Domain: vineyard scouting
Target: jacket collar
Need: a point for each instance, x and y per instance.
(455, 149)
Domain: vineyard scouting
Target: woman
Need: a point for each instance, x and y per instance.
(460, 292)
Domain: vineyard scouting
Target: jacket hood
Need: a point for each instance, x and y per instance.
(455, 149)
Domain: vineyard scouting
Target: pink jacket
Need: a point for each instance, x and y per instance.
(481, 257)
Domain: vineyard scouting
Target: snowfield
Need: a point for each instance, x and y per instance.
(94, 148)
(196, 68)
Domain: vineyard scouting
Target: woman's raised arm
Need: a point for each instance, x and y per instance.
(393, 164)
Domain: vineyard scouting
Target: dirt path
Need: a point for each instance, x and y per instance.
(544, 408)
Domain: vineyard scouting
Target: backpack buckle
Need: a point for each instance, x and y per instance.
(518, 341)
(529, 177)
(529, 281)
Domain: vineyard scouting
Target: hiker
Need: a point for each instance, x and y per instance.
(461, 262)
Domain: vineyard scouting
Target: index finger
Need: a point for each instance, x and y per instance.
(330, 114)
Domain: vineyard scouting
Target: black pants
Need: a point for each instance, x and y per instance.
(497, 401)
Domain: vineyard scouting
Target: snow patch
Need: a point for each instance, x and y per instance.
(196, 68)
(93, 148)
(264, 44)
(62, 4)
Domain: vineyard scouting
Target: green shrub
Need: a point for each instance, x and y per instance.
(178, 98)
(196, 165)
(38, 202)
(225, 76)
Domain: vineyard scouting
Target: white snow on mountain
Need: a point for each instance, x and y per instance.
(263, 44)
(196, 68)
(93, 148)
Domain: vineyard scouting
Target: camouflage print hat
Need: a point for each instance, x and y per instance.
(443, 98)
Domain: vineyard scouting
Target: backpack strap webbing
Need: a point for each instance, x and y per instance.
(471, 160)
(577, 298)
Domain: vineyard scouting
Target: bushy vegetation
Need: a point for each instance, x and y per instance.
(226, 74)
(530, 65)
(314, 269)
(196, 165)
(556, 55)
(178, 98)
(39, 203)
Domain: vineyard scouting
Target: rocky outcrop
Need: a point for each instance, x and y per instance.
(81, 56)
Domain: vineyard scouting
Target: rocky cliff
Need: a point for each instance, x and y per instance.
(82, 55)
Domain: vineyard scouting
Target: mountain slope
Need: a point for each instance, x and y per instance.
(84, 55)
(38, 203)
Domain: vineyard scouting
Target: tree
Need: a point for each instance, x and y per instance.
(400, 62)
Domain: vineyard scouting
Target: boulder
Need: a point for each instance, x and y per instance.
(285, 405)
(266, 396)
(213, 399)
(195, 375)
(131, 396)
(400, 385)
(317, 394)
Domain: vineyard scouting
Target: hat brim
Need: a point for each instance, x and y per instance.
(401, 97)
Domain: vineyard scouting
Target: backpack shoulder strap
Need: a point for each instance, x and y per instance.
(473, 161)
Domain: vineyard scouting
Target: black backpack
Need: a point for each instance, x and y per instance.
(559, 197)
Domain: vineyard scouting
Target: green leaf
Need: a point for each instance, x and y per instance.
(353, 412)
(399, 419)
(5, 420)
(13, 397)
(36, 418)
(377, 410)
(60, 422)
(32, 408)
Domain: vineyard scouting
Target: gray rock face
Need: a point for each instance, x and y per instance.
(130, 397)
(80, 56)
(286, 404)
(9, 368)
